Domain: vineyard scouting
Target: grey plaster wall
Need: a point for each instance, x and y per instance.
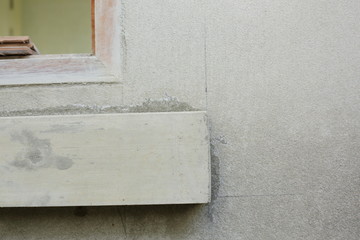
(280, 82)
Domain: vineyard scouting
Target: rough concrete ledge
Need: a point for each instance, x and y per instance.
(168, 104)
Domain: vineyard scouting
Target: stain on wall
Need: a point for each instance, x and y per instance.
(37, 153)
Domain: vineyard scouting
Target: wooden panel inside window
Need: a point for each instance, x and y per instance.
(17, 46)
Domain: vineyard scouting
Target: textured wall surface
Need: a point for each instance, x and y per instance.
(280, 82)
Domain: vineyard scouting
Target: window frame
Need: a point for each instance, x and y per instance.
(104, 65)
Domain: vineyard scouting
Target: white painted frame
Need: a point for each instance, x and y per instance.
(102, 66)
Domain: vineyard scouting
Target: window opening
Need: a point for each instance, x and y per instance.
(54, 26)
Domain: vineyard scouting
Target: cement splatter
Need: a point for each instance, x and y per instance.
(167, 104)
(215, 172)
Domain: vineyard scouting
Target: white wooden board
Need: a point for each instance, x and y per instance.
(109, 159)
(46, 69)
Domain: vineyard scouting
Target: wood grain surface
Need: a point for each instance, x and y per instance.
(109, 159)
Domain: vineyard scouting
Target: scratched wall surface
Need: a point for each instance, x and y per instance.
(279, 80)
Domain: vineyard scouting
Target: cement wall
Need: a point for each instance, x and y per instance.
(280, 82)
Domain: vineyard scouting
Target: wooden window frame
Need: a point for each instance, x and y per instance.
(104, 65)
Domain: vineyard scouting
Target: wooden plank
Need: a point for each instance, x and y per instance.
(14, 39)
(53, 69)
(16, 50)
(93, 26)
(110, 159)
(109, 35)
(17, 46)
